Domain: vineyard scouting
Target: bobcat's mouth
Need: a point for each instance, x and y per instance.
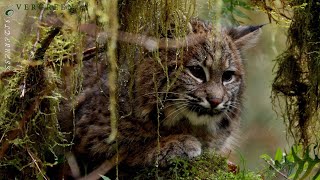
(200, 110)
(202, 107)
(197, 105)
(195, 110)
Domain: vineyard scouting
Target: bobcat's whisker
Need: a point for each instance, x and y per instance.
(175, 103)
(176, 111)
(153, 93)
(180, 111)
(227, 116)
(236, 102)
(236, 107)
(194, 107)
(179, 102)
(176, 99)
(232, 112)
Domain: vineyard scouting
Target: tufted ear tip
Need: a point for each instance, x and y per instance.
(238, 32)
(245, 36)
(254, 28)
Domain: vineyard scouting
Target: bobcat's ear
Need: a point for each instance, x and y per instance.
(245, 36)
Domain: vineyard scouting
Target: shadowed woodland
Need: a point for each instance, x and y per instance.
(45, 81)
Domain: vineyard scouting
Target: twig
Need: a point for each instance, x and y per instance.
(105, 167)
(75, 171)
(296, 89)
(7, 74)
(35, 162)
(23, 88)
(151, 43)
(87, 54)
(38, 31)
(39, 54)
(278, 171)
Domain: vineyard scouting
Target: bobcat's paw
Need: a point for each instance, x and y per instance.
(182, 146)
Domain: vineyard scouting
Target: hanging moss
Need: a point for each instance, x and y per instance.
(296, 86)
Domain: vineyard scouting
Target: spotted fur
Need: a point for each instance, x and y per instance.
(189, 107)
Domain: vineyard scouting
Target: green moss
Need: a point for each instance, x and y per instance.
(29, 127)
(31, 140)
(208, 166)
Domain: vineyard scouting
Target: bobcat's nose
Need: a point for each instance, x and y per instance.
(214, 102)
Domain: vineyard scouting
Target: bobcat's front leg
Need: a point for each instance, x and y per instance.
(184, 146)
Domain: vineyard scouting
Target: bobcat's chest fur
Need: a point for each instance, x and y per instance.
(193, 108)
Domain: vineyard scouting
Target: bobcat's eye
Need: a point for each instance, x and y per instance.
(198, 72)
(227, 76)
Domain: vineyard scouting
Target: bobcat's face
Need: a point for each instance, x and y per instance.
(210, 85)
(209, 88)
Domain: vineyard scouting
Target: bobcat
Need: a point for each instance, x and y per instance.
(181, 113)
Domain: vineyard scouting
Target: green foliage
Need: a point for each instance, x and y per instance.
(208, 166)
(296, 164)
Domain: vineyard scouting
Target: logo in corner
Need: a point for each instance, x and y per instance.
(9, 12)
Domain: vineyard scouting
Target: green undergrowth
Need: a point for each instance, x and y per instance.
(297, 163)
(208, 166)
